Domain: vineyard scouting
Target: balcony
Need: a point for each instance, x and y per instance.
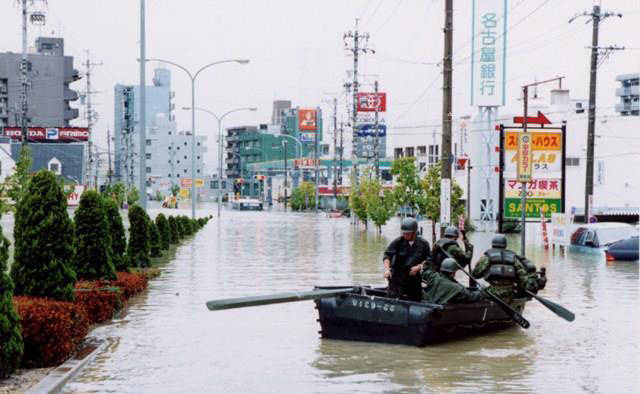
(628, 108)
(71, 113)
(628, 91)
(70, 95)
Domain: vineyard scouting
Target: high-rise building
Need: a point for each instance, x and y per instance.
(279, 107)
(629, 93)
(168, 152)
(50, 73)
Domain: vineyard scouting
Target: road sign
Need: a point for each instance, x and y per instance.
(540, 119)
(525, 158)
(369, 130)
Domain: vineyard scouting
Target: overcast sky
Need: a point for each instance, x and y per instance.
(297, 52)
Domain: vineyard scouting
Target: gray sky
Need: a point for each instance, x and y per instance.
(296, 52)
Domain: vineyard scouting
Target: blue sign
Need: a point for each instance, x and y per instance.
(369, 130)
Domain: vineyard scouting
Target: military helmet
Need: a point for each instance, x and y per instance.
(499, 241)
(451, 232)
(409, 225)
(449, 265)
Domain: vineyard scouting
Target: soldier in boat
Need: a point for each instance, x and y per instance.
(403, 261)
(504, 271)
(441, 287)
(447, 246)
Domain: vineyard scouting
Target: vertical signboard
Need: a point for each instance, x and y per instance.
(488, 50)
(524, 157)
(445, 202)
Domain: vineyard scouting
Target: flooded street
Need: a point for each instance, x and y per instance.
(168, 341)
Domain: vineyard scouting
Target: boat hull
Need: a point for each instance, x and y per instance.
(372, 317)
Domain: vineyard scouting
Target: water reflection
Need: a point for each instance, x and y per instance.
(169, 342)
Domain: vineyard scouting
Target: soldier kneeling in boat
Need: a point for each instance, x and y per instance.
(504, 271)
(441, 287)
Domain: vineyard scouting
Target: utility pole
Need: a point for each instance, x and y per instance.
(143, 116)
(447, 113)
(341, 151)
(91, 116)
(24, 65)
(110, 173)
(335, 152)
(376, 159)
(355, 48)
(315, 153)
(596, 17)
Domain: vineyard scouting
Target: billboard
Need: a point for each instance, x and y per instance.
(369, 130)
(308, 119)
(546, 153)
(543, 195)
(49, 134)
(368, 102)
(488, 52)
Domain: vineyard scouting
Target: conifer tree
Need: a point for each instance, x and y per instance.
(92, 240)
(118, 237)
(174, 232)
(154, 240)
(138, 248)
(11, 345)
(43, 233)
(163, 229)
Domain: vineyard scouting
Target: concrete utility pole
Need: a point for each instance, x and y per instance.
(91, 116)
(447, 111)
(110, 171)
(341, 151)
(376, 159)
(355, 48)
(335, 152)
(285, 174)
(24, 65)
(143, 115)
(596, 17)
(316, 158)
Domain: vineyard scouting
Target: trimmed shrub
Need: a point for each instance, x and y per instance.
(163, 229)
(118, 237)
(51, 330)
(93, 242)
(138, 249)
(11, 346)
(186, 224)
(100, 302)
(181, 230)
(43, 260)
(130, 284)
(174, 232)
(154, 240)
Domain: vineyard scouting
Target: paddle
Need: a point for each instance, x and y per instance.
(555, 308)
(242, 302)
(517, 317)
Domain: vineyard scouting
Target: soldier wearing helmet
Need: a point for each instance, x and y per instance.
(442, 288)
(403, 260)
(447, 246)
(503, 269)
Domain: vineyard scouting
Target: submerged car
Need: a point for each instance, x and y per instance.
(595, 238)
(625, 250)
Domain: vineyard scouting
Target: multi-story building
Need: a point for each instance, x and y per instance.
(49, 72)
(629, 93)
(167, 152)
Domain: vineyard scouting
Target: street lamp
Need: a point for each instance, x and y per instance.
(219, 119)
(193, 117)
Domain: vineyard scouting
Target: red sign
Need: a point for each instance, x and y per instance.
(540, 119)
(49, 134)
(304, 162)
(368, 102)
(308, 119)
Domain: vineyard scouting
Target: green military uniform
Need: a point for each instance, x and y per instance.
(449, 246)
(441, 290)
(505, 272)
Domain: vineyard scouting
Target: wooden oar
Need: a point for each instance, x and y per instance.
(555, 308)
(242, 302)
(515, 315)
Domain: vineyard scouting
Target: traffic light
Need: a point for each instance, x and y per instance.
(260, 178)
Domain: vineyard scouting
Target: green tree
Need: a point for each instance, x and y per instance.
(118, 193)
(174, 232)
(430, 204)
(407, 192)
(11, 345)
(380, 205)
(163, 229)
(133, 196)
(138, 248)
(154, 240)
(357, 200)
(43, 233)
(92, 239)
(118, 236)
(15, 185)
(303, 196)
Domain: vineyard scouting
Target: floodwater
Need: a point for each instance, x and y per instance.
(169, 342)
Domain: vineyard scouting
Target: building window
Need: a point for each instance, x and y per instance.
(178, 148)
(214, 185)
(198, 171)
(185, 157)
(169, 161)
(409, 151)
(177, 175)
(185, 170)
(198, 157)
(169, 176)
(398, 153)
(224, 184)
(572, 161)
(169, 133)
(198, 144)
(178, 161)
(55, 166)
(422, 150)
(185, 144)
(434, 154)
(148, 155)
(148, 142)
(169, 148)
(148, 170)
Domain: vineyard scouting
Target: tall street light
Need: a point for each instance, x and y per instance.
(219, 119)
(193, 77)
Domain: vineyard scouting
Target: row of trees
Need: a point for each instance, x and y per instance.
(52, 251)
(368, 200)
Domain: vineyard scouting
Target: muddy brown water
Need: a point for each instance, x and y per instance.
(168, 342)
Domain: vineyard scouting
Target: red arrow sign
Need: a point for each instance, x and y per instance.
(540, 119)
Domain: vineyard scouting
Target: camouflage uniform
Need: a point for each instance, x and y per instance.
(505, 272)
(450, 246)
(441, 290)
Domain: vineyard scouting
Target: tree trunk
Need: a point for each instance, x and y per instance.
(433, 232)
